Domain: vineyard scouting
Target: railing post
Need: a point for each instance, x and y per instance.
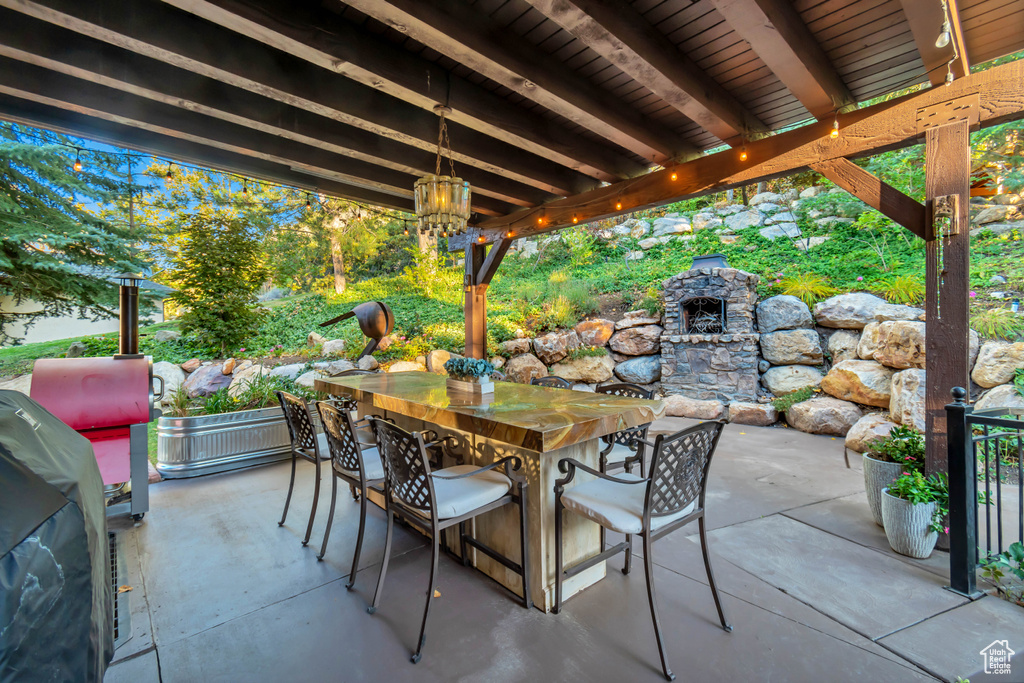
(963, 497)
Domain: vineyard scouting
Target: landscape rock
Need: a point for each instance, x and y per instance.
(682, 406)
(636, 319)
(191, 365)
(637, 341)
(649, 243)
(306, 379)
(206, 380)
(900, 344)
(786, 379)
(594, 332)
(867, 430)
(167, 335)
(811, 242)
(842, 345)
(763, 366)
(290, 371)
(994, 214)
(228, 367)
(243, 378)
(997, 361)
(385, 343)
(973, 348)
(1003, 396)
(554, 346)
(22, 383)
(729, 239)
(848, 311)
(436, 360)
(367, 363)
(813, 191)
(334, 347)
(173, 376)
(997, 280)
(635, 255)
(754, 414)
(781, 217)
(498, 362)
(75, 350)
(743, 220)
(768, 207)
(587, 369)
(529, 248)
(514, 347)
(907, 404)
(999, 229)
(887, 312)
(792, 347)
(783, 312)
(640, 370)
(524, 368)
(407, 366)
(824, 415)
(314, 339)
(762, 197)
(773, 232)
(833, 221)
(241, 366)
(869, 340)
(860, 381)
(671, 226)
(334, 368)
(703, 221)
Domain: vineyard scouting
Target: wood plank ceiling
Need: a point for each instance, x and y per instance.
(549, 98)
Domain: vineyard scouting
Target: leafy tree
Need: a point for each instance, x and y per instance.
(56, 249)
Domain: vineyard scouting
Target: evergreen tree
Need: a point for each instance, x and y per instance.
(54, 251)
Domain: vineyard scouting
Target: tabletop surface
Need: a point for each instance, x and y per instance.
(536, 418)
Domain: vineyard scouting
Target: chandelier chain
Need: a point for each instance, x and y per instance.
(443, 144)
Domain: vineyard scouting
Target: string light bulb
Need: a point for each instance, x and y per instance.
(309, 204)
(674, 176)
(618, 206)
(575, 218)
(743, 153)
(508, 234)
(170, 172)
(406, 230)
(245, 187)
(481, 239)
(834, 133)
(78, 162)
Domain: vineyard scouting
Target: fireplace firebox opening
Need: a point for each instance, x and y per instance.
(702, 315)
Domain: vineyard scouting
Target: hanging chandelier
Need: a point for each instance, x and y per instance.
(442, 201)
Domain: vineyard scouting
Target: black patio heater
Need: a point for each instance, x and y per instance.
(128, 343)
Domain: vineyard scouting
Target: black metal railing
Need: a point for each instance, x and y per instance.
(986, 470)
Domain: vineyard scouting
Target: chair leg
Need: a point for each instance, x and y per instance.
(384, 563)
(711, 574)
(558, 555)
(649, 572)
(355, 493)
(316, 499)
(330, 516)
(359, 541)
(463, 548)
(430, 596)
(629, 554)
(288, 499)
(524, 546)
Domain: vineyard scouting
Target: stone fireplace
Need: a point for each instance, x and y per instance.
(709, 349)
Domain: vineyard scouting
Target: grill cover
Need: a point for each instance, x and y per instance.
(56, 618)
(93, 393)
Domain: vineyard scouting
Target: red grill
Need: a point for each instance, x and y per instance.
(108, 401)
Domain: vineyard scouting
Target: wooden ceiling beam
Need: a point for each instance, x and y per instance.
(30, 113)
(925, 18)
(323, 38)
(156, 30)
(991, 97)
(44, 45)
(490, 48)
(779, 36)
(892, 203)
(620, 34)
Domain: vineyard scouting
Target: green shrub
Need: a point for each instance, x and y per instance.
(808, 287)
(997, 323)
(903, 289)
(586, 352)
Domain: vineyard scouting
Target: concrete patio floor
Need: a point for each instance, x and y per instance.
(221, 593)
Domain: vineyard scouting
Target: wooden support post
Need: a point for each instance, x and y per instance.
(480, 268)
(947, 172)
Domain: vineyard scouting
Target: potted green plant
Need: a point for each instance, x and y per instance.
(901, 451)
(469, 376)
(913, 510)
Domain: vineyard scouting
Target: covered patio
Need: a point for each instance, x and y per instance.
(220, 593)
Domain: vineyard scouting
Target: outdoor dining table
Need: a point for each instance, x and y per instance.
(541, 425)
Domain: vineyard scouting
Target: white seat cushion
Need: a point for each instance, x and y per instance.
(619, 453)
(456, 497)
(372, 465)
(616, 506)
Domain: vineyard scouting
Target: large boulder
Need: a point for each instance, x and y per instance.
(672, 226)
(867, 430)
(636, 319)
(22, 383)
(290, 371)
(703, 221)
(514, 347)
(860, 381)
(76, 350)
(640, 370)
(900, 344)
(436, 360)
(334, 368)
(786, 379)
(869, 340)
(367, 363)
(587, 369)
(241, 380)
(898, 312)
(407, 366)
(792, 347)
(315, 339)
(683, 406)
(994, 214)
(824, 415)
(594, 332)
(637, 341)
(167, 335)
(783, 312)
(812, 191)
(207, 380)
(524, 368)
(334, 347)
(755, 414)
(997, 361)
(306, 379)
(173, 376)
(842, 345)
(743, 220)
(1003, 396)
(191, 365)
(767, 197)
(848, 311)
(907, 403)
(554, 346)
(773, 232)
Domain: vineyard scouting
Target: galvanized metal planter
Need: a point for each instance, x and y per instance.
(205, 444)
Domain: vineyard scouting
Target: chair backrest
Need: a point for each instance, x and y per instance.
(499, 376)
(679, 468)
(300, 422)
(628, 390)
(627, 437)
(341, 437)
(552, 381)
(406, 466)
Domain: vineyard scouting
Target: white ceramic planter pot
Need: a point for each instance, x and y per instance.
(906, 526)
(877, 475)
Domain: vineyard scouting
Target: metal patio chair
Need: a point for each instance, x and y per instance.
(623, 449)
(671, 498)
(355, 462)
(551, 381)
(306, 444)
(435, 501)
